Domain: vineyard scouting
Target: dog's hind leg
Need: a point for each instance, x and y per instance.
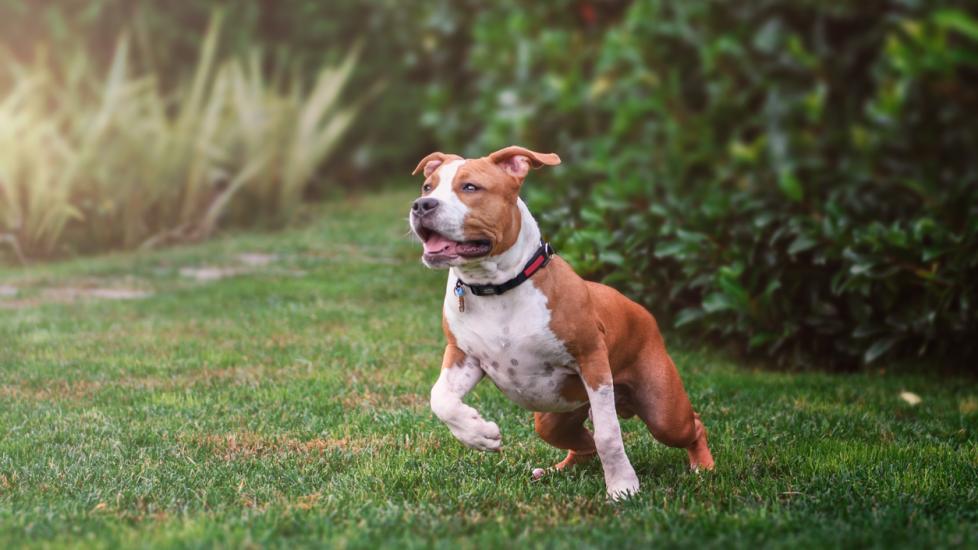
(566, 431)
(660, 400)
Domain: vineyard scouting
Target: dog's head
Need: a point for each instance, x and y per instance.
(468, 207)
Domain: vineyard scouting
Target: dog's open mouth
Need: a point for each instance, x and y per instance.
(439, 246)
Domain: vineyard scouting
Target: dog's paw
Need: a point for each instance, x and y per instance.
(623, 488)
(479, 435)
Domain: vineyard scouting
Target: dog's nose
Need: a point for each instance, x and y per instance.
(424, 206)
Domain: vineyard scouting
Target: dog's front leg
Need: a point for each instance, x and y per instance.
(619, 476)
(459, 374)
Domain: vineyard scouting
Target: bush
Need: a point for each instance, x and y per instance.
(796, 177)
(90, 163)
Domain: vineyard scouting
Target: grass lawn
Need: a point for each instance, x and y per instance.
(271, 389)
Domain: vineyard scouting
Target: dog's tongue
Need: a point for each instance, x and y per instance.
(439, 244)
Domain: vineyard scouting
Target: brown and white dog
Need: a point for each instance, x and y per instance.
(556, 344)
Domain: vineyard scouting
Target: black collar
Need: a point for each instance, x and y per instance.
(537, 262)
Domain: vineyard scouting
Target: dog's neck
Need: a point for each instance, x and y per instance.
(503, 267)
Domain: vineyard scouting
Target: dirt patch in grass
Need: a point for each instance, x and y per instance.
(249, 445)
(363, 254)
(77, 390)
(257, 259)
(55, 390)
(22, 295)
(243, 264)
(366, 399)
(381, 389)
(12, 297)
(206, 274)
(968, 406)
(70, 294)
(308, 502)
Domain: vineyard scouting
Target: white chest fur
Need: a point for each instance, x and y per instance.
(511, 338)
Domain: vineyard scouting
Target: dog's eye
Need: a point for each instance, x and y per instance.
(426, 188)
(470, 187)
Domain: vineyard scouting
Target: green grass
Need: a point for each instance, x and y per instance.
(288, 405)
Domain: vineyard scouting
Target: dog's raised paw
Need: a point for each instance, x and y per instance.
(480, 435)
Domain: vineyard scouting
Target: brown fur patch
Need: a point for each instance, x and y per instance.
(572, 390)
(493, 213)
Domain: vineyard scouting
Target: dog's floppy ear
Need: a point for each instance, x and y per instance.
(517, 161)
(430, 163)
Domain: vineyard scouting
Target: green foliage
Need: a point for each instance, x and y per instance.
(797, 177)
(91, 162)
(404, 44)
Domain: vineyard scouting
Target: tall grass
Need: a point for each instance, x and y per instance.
(92, 161)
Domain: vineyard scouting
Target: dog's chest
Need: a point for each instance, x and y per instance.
(511, 337)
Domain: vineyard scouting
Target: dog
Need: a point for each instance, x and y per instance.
(565, 348)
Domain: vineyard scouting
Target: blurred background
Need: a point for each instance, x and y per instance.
(795, 178)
